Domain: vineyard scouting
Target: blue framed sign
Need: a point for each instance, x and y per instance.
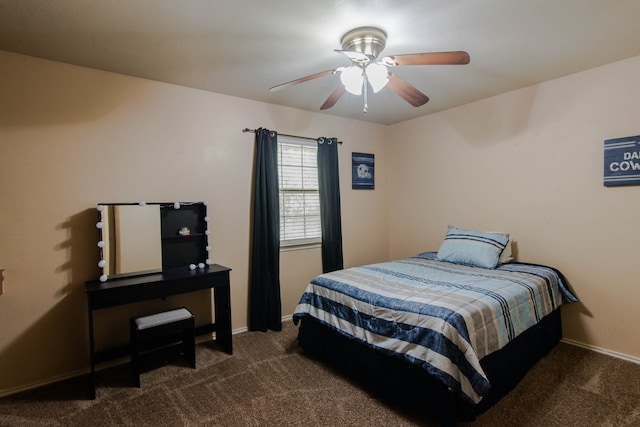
(622, 161)
(362, 171)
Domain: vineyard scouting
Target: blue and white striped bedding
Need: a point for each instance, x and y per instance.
(441, 316)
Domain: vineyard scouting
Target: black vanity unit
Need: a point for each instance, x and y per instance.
(184, 267)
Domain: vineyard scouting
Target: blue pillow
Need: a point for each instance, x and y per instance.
(475, 248)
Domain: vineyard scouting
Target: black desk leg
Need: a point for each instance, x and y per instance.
(92, 375)
(222, 301)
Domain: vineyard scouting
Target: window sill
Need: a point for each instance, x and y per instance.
(300, 246)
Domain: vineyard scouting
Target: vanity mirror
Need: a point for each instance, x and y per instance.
(143, 238)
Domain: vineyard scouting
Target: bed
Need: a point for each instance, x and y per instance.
(452, 337)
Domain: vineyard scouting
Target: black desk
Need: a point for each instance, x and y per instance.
(127, 290)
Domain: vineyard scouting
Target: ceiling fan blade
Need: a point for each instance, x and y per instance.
(304, 79)
(333, 98)
(430, 58)
(354, 55)
(407, 92)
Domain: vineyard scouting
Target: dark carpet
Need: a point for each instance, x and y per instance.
(269, 381)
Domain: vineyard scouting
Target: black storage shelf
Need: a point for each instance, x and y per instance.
(186, 237)
(180, 251)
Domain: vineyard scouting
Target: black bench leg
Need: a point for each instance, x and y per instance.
(135, 356)
(189, 346)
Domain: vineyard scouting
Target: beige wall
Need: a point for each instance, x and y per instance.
(527, 162)
(530, 162)
(72, 137)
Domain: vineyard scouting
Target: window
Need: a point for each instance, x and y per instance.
(299, 198)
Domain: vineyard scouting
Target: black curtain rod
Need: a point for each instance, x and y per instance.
(290, 136)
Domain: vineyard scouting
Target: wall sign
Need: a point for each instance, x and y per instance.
(622, 161)
(362, 171)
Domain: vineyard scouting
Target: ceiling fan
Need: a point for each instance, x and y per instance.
(363, 46)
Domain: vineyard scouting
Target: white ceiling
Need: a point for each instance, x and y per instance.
(243, 47)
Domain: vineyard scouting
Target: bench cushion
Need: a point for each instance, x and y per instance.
(163, 318)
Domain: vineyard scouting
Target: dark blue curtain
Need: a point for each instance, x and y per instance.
(329, 190)
(265, 311)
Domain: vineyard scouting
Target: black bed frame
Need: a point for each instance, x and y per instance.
(398, 382)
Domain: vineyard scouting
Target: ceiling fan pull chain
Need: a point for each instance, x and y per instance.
(365, 91)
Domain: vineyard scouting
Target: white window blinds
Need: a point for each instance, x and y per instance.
(299, 199)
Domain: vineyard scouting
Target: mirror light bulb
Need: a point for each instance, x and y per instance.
(101, 244)
(176, 205)
(103, 278)
(100, 208)
(99, 225)
(102, 263)
(142, 203)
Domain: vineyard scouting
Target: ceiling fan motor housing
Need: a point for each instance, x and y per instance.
(367, 40)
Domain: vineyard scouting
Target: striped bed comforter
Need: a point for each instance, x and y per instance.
(440, 316)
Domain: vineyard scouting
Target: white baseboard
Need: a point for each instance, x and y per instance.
(20, 389)
(602, 350)
(246, 328)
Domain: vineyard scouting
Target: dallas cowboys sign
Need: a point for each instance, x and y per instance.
(622, 161)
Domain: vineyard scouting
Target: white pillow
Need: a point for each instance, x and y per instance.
(475, 248)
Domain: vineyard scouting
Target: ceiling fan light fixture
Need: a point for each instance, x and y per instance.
(351, 78)
(377, 75)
